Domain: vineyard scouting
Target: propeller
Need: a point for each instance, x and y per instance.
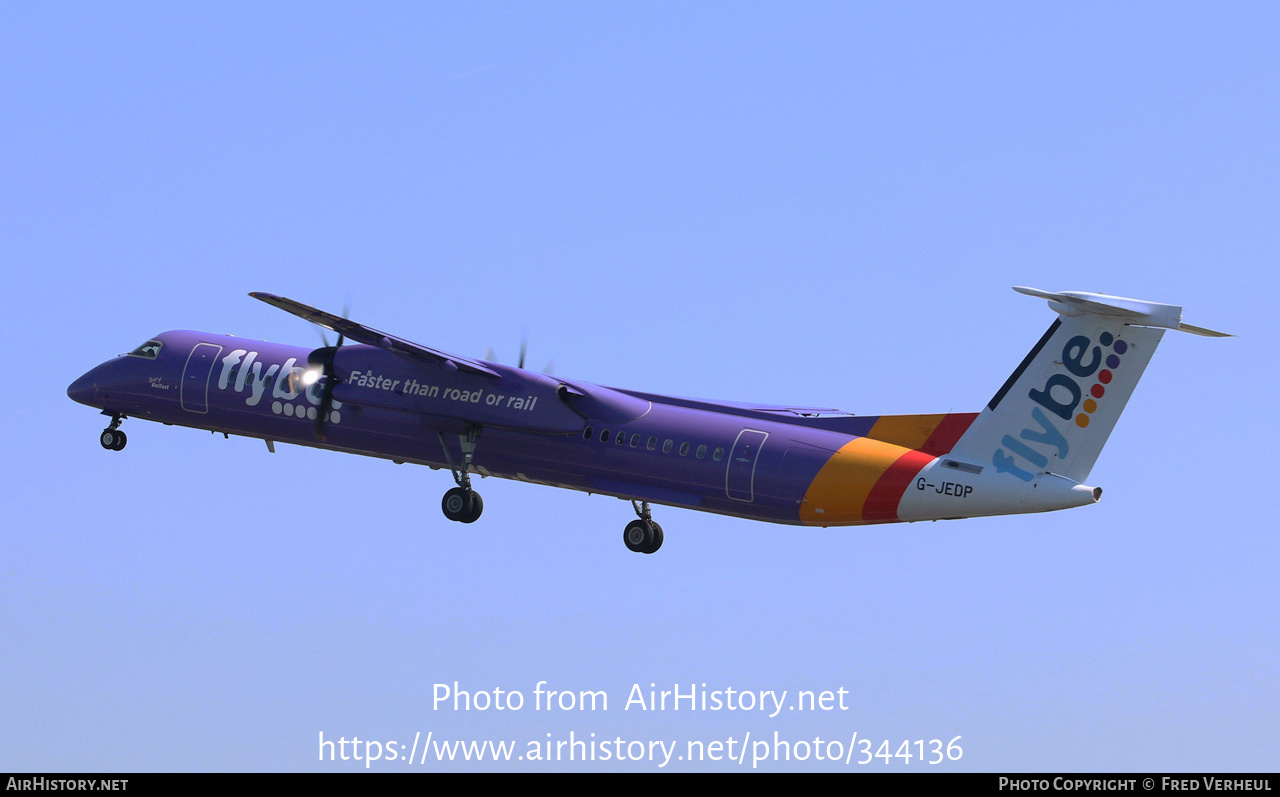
(548, 369)
(323, 359)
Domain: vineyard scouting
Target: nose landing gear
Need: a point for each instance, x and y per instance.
(112, 438)
(643, 535)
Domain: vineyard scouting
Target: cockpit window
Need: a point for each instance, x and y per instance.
(149, 350)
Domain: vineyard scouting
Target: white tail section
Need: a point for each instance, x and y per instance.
(1058, 408)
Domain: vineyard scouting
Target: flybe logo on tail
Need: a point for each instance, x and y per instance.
(1062, 396)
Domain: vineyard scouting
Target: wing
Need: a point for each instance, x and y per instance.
(372, 337)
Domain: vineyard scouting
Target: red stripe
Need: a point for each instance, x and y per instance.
(948, 432)
(882, 503)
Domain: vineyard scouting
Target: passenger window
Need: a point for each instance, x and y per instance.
(651, 443)
(684, 449)
(702, 452)
(604, 436)
(718, 454)
(586, 433)
(635, 440)
(666, 446)
(621, 438)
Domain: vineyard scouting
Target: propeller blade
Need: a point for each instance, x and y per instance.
(330, 378)
(326, 401)
(323, 358)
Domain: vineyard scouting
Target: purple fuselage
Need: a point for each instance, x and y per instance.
(743, 460)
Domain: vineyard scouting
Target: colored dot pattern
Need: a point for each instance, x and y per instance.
(309, 413)
(1118, 347)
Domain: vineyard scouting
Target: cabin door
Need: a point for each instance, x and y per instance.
(741, 474)
(194, 392)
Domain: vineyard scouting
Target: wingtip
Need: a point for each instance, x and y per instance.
(1033, 292)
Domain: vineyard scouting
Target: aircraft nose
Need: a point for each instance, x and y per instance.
(91, 388)
(82, 389)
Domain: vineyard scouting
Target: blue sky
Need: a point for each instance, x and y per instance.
(822, 204)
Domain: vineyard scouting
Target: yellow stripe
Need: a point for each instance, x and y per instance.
(908, 431)
(840, 489)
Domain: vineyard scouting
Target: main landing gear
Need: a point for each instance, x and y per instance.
(462, 504)
(112, 438)
(643, 535)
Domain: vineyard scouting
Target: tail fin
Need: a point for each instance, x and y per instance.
(1055, 411)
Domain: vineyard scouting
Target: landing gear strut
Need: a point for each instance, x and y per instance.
(462, 503)
(112, 438)
(643, 535)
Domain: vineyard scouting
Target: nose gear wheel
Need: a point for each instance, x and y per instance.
(112, 438)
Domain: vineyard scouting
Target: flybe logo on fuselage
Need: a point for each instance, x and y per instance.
(1060, 397)
(242, 371)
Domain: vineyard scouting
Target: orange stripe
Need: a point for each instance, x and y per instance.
(908, 431)
(840, 490)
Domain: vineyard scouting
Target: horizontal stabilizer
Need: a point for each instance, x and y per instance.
(1208, 333)
(1055, 411)
(1136, 312)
